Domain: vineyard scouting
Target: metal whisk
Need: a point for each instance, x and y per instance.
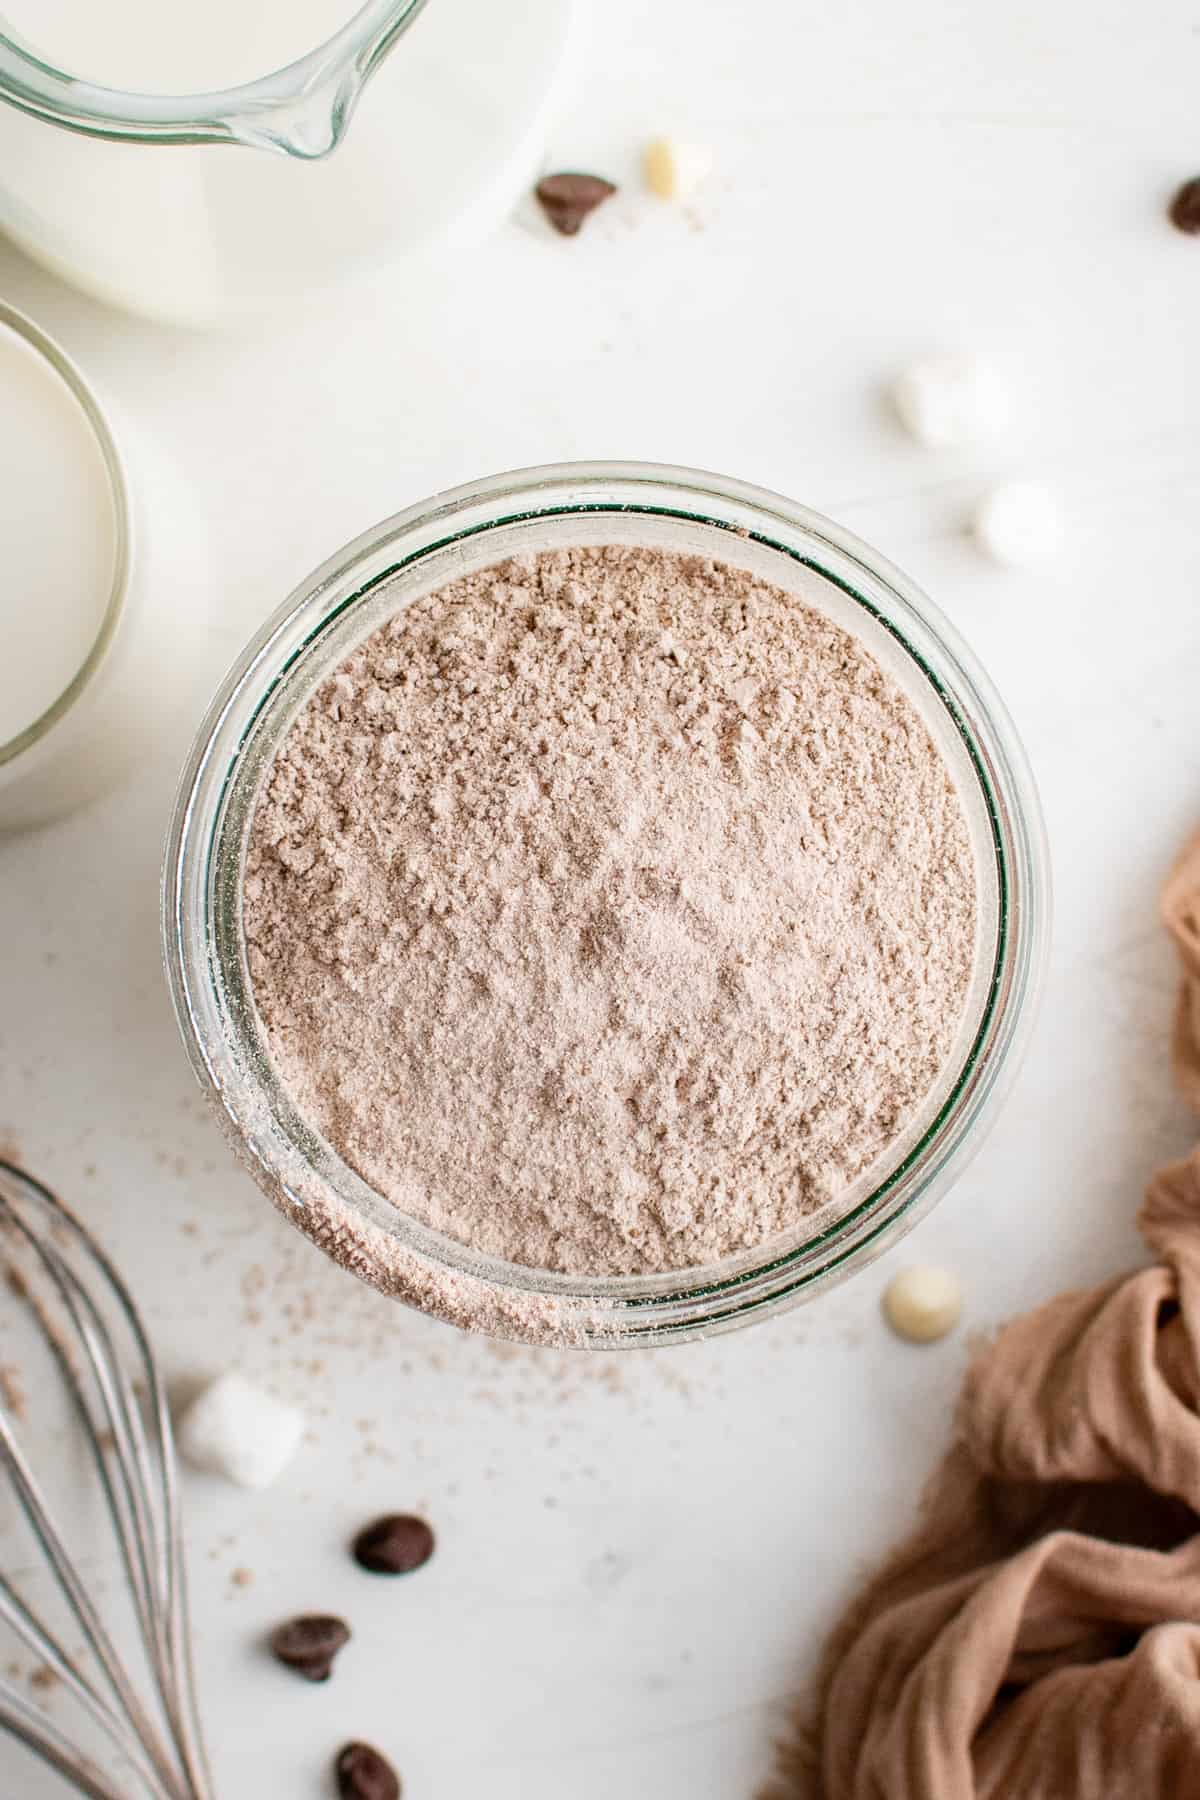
(146, 1732)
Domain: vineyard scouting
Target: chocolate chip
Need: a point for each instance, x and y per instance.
(568, 199)
(1185, 208)
(362, 1774)
(394, 1545)
(309, 1644)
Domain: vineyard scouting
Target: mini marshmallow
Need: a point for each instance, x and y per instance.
(674, 170)
(1017, 523)
(951, 402)
(235, 1430)
(922, 1304)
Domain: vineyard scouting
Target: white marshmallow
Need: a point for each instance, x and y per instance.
(951, 402)
(235, 1430)
(922, 1304)
(674, 170)
(1017, 523)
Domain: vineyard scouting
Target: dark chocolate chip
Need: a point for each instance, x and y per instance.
(568, 199)
(362, 1774)
(309, 1644)
(394, 1545)
(1185, 208)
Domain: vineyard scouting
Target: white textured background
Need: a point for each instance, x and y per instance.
(638, 1556)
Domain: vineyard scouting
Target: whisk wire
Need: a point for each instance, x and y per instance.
(40, 1734)
(115, 1421)
(133, 1520)
(127, 1426)
(55, 1658)
(86, 1616)
(157, 1536)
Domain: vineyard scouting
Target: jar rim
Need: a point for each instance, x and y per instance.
(61, 365)
(301, 109)
(201, 921)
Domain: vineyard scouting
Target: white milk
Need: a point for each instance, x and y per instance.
(102, 627)
(446, 135)
(73, 642)
(58, 535)
(173, 46)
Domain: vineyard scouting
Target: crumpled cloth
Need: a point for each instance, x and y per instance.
(1038, 1636)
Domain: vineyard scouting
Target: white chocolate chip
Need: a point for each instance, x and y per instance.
(951, 402)
(923, 1303)
(674, 170)
(1017, 523)
(233, 1429)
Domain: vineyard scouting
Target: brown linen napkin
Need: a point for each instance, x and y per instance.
(1038, 1636)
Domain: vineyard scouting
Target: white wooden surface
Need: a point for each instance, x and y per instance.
(638, 1556)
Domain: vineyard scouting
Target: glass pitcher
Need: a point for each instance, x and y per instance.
(152, 202)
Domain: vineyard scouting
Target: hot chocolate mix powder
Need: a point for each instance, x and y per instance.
(609, 910)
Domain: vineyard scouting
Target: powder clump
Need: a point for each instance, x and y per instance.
(609, 910)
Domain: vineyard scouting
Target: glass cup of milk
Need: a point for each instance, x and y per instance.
(205, 160)
(86, 660)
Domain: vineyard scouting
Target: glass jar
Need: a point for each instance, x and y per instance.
(154, 202)
(89, 639)
(107, 598)
(426, 547)
(105, 605)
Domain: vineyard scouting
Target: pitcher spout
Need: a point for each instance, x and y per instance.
(308, 125)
